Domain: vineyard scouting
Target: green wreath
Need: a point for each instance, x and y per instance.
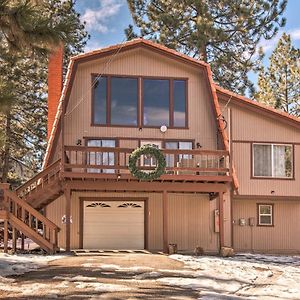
(147, 150)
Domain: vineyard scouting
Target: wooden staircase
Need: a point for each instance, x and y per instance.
(43, 188)
(19, 209)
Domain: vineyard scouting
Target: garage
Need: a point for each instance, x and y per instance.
(113, 224)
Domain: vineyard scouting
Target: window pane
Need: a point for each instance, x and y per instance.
(101, 158)
(265, 209)
(100, 101)
(262, 160)
(282, 163)
(185, 145)
(171, 158)
(124, 98)
(267, 220)
(156, 102)
(179, 103)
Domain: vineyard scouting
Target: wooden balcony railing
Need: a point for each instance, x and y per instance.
(25, 216)
(41, 180)
(81, 161)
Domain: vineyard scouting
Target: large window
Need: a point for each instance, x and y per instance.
(272, 160)
(265, 214)
(115, 101)
(122, 101)
(164, 102)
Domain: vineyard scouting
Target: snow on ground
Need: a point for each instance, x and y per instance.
(22, 263)
(243, 276)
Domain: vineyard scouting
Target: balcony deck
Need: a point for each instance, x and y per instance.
(210, 166)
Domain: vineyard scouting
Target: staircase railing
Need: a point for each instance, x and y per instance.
(39, 181)
(31, 218)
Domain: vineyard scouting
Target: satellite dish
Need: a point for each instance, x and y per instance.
(163, 128)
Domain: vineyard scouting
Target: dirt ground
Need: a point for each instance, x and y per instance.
(104, 276)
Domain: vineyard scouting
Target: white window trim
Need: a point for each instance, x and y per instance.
(268, 215)
(272, 161)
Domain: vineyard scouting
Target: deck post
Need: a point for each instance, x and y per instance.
(14, 240)
(22, 242)
(221, 219)
(5, 238)
(68, 219)
(165, 222)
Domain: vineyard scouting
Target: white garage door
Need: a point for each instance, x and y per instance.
(113, 225)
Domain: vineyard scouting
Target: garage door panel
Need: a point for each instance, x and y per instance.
(113, 225)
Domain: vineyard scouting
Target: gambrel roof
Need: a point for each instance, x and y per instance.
(217, 92)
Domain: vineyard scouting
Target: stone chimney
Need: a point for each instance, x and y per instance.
(55, 85)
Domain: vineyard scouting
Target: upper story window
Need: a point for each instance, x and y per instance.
(138, 102)
(115, 101)
(272, 160)
(164, 102)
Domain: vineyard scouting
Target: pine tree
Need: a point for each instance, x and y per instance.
(23, 121)
(279, 85)
(224, 33)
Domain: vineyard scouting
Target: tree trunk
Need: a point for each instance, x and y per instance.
(203, 52)
(286, 90)
(6, 154)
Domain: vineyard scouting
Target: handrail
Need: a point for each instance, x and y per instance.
(129, 150)
(39, 178)
(192, 162)
(29, 218)
(13, 197)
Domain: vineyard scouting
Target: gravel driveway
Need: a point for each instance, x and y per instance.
(105, 276)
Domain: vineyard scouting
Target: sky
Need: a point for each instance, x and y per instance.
(107, 19)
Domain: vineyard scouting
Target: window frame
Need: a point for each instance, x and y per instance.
(140, 101)
(86, 141)
(259, 214)
(272, 177)
(108, 100)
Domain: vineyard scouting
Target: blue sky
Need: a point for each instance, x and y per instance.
(107, 19)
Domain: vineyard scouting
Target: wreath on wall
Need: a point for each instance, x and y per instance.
(148, 150)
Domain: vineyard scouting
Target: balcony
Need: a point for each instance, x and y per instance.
(112, 163)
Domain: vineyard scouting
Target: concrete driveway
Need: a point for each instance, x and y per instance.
(102, 276)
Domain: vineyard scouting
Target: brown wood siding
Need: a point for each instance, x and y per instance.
(191, 219)
(248, 186)
(280, 238)
(248, 127)
(202, 126)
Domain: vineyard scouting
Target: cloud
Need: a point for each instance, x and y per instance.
(93, 45)
(269, 45)
(97, 19)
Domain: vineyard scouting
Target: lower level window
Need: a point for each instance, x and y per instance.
(265, 214)
(99, 158)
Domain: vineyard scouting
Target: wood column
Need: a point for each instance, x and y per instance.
(14, 240)
(22, 242)
(68, 219)
(5, 236)
(221, 219)
(165, 223)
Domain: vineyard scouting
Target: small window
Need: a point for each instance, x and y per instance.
(265, 214)
(179, 92)
(100, 100)
(272, 160)
(171, 159)
(101, 158)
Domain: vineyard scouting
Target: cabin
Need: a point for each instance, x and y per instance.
(232, 166)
